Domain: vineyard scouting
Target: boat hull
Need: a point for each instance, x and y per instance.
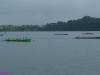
(87, 33)
(61, 34)
(87, 37)
(22, 40)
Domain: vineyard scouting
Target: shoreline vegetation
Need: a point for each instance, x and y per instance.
(86, 23)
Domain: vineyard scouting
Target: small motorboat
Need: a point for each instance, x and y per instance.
(18, 40)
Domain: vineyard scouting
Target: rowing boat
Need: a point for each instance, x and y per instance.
(87, 37)
(18, 40)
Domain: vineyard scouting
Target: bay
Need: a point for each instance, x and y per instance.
(49, 54)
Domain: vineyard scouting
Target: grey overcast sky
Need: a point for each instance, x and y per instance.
(41, 12)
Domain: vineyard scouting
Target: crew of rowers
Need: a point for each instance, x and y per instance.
(17, 39)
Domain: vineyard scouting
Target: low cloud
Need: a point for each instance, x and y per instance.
(36, 12)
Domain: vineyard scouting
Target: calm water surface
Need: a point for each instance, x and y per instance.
(50, 54)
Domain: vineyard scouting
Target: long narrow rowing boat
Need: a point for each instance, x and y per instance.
(87, 37)
(87, 33)
(61, 34)
(18, 40)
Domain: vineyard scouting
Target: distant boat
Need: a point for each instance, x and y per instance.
(61, 34)
(18, 40)
(87, 37)
(87, 33)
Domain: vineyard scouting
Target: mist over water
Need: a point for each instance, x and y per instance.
(49, 54)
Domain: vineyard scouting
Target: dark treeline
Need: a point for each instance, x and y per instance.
(87, 23)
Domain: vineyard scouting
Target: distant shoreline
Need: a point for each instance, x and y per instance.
(87, 23)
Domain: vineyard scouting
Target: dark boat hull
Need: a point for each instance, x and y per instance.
(61, 34)
(87, 37)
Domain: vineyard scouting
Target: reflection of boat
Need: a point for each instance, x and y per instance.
(18, 40)
(87, 37)
(87, 33)
(1, 34)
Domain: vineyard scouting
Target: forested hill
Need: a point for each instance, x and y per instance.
(86, 23)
